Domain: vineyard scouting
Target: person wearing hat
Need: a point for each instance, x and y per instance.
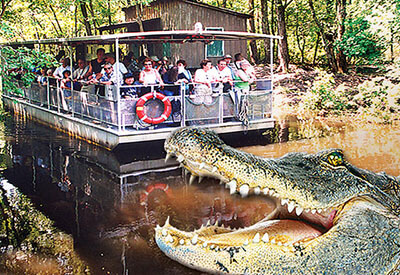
(228, 60)
(126, 90)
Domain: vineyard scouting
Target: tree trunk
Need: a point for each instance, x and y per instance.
(265, 30)
(85, 16)
(341, 17)
(56, 19)
(283, 51)
(327, 40)
(138, 10)
(253, 44)
(316, 49)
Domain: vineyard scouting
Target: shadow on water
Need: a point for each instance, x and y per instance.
(111, 202)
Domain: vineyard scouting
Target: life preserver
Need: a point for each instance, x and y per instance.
(157, 186)
(140, 108)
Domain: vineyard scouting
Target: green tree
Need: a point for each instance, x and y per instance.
(359, 43)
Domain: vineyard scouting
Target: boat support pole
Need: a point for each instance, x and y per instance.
(71, 65)
(118, 84)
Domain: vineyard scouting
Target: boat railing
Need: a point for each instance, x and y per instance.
(102, 104)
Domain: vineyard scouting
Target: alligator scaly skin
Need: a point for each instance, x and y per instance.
(359, 209)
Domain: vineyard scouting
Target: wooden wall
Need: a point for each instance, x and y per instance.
(182, 15)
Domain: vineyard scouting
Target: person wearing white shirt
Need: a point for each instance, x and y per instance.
(58, 73)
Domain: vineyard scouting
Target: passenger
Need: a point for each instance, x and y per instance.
(228, 60)
(65, 65)
(164, 66)
(109, 76)
(128, 92)
(203, 79)
(239, 59)
(110, 57)
(60, 55)
(66, 84)
(52, 80)
(81, 71)
(183, 74)
(42, 78)
(130, 62)
(224, 75)
(244, 77)
(96, 64)
(150, 76)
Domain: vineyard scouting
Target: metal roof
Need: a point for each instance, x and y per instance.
(178, 36)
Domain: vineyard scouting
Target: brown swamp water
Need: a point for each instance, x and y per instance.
(110, 205)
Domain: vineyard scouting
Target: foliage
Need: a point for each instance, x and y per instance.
(23, 63)
(375, 100)
(359, 42)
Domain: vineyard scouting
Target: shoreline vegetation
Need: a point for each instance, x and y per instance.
(314, 100)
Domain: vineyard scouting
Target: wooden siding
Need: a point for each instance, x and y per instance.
(181, 15)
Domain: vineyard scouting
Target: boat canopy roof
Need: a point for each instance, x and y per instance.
(178, 36)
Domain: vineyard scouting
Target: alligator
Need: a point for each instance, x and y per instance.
(330, 218)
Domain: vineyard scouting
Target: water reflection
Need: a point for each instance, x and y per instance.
(110, 204)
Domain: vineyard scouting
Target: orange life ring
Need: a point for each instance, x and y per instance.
(158, 186)
(140, 108)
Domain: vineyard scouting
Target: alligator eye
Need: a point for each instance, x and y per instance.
(335, 159)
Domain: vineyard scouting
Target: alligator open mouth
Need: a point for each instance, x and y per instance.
(289, 225)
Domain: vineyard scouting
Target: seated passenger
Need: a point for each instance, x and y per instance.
(96, 65)
(150, 76)
(66, 83)
(223, 75)
(203, 79)
(183, 74)
(128, 92)
(163, 66)
(81, 71)
(110, 58)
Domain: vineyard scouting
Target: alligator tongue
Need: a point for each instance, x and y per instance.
(284, 232)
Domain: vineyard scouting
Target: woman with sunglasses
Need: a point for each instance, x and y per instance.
(150, 76)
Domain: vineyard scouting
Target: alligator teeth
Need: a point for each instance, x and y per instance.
(186, 172)
(290, 207)
(205, 244)
(170, 239)
(271, 192)
(166, 222)
(257, 190)
(168, 157)
(256, 238)
(202, 165)
(232, 186)
(200, 178)
(164, 232)
(181, 241)
(244, 190)
(265, 238)
(273, 241)
(214, 169)
(307, 210)
(180, 158)
(246, 242)
(192, 179)
(284, 201)
(265, 191)
(319, 210)
(299, 210)
(208, 223)
(313, 211)
(195, 239)
(216, 223)
(279, 243)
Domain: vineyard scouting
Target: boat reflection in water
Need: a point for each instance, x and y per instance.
(111, 203)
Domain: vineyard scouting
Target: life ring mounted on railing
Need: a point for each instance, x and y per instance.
(140, 110)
